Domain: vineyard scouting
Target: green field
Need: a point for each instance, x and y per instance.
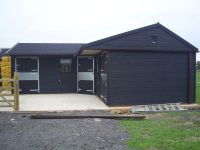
(165, 131)
(198, 87)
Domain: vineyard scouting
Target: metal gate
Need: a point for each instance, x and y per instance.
(85, 74)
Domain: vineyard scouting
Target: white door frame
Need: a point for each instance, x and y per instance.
(29, 75)
(89, 76)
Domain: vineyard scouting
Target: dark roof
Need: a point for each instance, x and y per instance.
(45, 49)
(3, 51)
(109, 42)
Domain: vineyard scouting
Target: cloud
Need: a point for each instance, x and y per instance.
(88, 20)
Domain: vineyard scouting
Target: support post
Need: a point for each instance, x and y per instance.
(190, 89)
(16, 91)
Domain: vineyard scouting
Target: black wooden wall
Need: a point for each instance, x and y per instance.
(54, 81)
(101, 72)
(143, 41)
(50, 78)
(148, 77)
(192, 77)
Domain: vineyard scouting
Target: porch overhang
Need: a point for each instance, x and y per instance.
(89, 52)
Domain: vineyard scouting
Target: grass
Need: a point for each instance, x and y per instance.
(198, 87)
(166, 131)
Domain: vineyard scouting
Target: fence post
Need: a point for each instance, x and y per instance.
(16, 91)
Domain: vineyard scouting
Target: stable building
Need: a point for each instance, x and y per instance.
(46, 67)
(143, 66)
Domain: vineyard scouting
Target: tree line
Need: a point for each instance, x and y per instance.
(198, 65)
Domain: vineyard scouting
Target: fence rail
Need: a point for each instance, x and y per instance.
(10, 98)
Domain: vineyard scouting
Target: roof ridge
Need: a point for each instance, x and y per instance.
(45, 48)
(101, 41)
(116, 36)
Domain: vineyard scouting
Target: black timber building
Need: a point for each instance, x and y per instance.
(143, 66)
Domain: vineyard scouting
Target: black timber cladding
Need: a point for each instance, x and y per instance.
(144, 78)
(141, 39)
(54, 81)
(51, 79)
(155, 50)
(49, 54)
(147, 65)
(192, 77)
(30, 49)
(101, 76)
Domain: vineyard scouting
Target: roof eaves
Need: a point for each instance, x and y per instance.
(12, 51)
(27, 54)
(178, 37)
(8, 51)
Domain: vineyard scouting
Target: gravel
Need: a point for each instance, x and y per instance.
(19, 132)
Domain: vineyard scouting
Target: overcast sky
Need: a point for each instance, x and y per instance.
(65, 21)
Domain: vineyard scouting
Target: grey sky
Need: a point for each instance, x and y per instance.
(65, 21)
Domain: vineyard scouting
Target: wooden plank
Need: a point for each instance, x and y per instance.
(6, 100)
(16, 91)
(6, 106)
(6, 94)
(41, 116)
(3, 89)
(3, 101)
(9, 80)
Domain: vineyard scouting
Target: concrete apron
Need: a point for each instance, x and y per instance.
(58, 102)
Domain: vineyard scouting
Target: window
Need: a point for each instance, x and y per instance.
(153, 39)
(65, 65)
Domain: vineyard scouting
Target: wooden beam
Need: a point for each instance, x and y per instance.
(6, 106)
(6, 95)
(42, 116)
(3, 101)
(16, 91)
(6, 101)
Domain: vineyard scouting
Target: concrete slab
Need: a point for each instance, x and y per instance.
(58, 102)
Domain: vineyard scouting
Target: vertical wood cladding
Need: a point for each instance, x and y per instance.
(147, 77)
